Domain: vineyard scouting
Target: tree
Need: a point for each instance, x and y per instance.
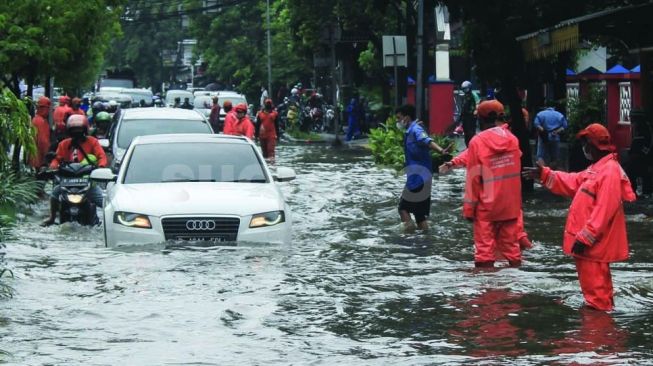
(63, 39)
(151, 31)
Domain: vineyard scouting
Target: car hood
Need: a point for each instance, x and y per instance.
(197, 198)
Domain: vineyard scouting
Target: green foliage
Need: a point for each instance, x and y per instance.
(304, 136)
(15, 125)
(234, 45)
(387, 145)
(63, 39)
(16, 191)
(584, 111)
(149, 34)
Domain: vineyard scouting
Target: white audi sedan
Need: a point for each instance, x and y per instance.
(194, 187)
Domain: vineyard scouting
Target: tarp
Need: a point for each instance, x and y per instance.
(636, 69)
(618, 69)
(571, 72)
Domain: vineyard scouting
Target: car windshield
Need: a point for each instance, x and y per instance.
(194, 162)
(129, 129)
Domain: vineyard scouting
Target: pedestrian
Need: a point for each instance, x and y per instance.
(492, 199)
(214, 116)
(177, 102)
(59, 115)
(416, 195)
(186, 104)
(353, 123)
(461, 161)
(40, 123)
(229, 114)
(549, 124)
(595, 232)
(241, 125)
(76, 107)
(466, 117)
(267, 130)
(264, 97)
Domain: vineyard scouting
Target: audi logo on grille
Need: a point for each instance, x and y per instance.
(200, 225)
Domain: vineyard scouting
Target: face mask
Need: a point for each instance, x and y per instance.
(77, 135)
(587, 153)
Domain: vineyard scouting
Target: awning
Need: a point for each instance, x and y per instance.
(550, 42)
(625, 23)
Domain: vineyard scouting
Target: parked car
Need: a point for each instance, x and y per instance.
(203, 188)
(181, 94)
(150, 121)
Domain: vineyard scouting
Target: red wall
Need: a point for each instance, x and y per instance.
(440, 106)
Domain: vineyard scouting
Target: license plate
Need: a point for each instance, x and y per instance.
(74, 181)
(211, 239)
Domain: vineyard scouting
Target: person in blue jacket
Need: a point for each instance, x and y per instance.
(549, 124)
(416, 196)
(353, 128)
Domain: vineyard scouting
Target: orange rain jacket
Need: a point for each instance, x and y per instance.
(596, 215)
(90, 145)
(40, 122)
(267, 124)
(493, 186)
(233, 126)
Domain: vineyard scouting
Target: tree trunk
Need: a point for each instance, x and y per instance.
(15, 158)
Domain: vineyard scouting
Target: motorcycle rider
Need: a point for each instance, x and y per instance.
(267, 129)
(76, 105)
(241, 125)
(78, 148)
(100, 129)
(467, 118)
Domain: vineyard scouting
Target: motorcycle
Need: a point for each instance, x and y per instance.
(74, 203)
(317, 119)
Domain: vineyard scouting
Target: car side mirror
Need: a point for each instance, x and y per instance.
(104, 143)
(103, 175)
(284, 174)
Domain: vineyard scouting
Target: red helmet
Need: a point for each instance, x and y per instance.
(44, 102)
(77, 120)
(241, 107)
(63, 100)
(226, 104)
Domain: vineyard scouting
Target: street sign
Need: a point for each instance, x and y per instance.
(394, 50)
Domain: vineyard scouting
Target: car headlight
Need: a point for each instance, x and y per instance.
(267, 219)
(132, 220)
(74, 198)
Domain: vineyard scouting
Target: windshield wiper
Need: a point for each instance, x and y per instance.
(186, 180)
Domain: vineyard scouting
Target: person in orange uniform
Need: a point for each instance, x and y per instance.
(229, 114)
(40, 123)
(267, 129)
(241, 125)
(59, 117)
(78, 148)
(76, 107)
(493, 189)
(595, 232)
(460, 161)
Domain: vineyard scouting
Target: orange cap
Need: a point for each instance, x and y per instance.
(44, 102)
(486, 108)
(598, 136)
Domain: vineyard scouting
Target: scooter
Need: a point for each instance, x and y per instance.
(74, 203)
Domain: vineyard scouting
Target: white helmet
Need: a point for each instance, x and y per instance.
(294, 91)
(466, 85)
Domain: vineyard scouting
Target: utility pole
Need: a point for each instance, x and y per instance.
(334, 83)
(419, 93)
(269, 53)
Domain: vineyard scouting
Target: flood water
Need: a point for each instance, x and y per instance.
(351, 290)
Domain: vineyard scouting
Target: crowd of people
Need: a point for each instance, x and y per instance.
(595, 232)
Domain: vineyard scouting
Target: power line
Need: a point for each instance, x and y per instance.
(148, 18)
